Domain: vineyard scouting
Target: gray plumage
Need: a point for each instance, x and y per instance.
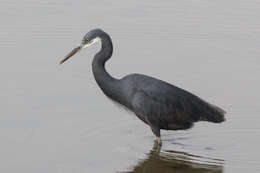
(157, 103)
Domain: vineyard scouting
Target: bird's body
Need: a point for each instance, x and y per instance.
(157, 103)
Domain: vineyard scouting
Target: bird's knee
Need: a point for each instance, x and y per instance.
(156, 131)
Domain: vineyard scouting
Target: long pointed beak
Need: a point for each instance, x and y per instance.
(73, 52)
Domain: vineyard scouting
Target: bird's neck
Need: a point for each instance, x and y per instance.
(109, 85)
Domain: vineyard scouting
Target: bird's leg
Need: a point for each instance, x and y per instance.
(157, 133)
(158, 140)
(157, 147)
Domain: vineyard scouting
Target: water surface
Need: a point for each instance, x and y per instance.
(56, 119)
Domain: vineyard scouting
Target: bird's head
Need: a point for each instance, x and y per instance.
(89, 39)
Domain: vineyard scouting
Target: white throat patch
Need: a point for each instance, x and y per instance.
(92, 42)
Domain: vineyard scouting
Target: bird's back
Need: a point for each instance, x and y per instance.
(164, 103)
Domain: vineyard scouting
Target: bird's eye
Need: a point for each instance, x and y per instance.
(85, 41)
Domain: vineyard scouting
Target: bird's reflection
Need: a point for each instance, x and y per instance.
(177, 162)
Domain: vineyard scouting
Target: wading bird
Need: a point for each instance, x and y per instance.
(157, 103)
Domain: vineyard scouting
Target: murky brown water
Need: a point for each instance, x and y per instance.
(55, 118)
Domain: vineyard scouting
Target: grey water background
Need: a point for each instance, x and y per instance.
(56, 119)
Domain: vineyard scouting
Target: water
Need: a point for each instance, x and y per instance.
(55, 118)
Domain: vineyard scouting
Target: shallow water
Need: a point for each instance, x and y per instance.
(56, 119)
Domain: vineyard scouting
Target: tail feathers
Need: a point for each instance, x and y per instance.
(215, 114)
(210, 112)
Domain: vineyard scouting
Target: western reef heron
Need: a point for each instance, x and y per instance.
(157, 103)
